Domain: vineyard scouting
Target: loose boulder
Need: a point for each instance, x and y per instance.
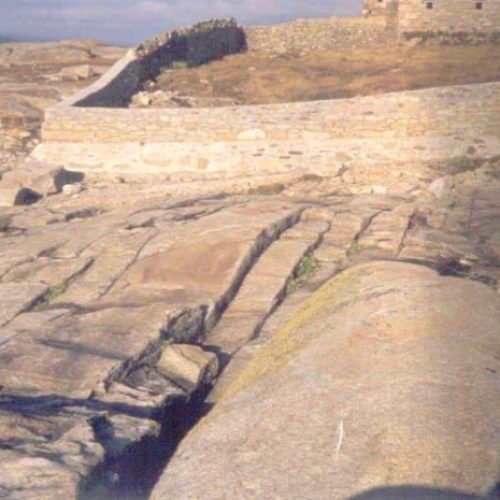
(33, 180)
(189, 366)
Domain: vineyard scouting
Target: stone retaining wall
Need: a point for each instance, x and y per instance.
(251, 140)
(306, 35)
(398, 114)
(198, 44)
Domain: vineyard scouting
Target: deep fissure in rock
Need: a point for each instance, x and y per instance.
(133, 474)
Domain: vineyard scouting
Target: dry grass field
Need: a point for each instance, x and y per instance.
(254, 78)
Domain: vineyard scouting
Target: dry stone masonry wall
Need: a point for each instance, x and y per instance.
(399, 114)
(247, 140)
(198, 44)
(305, 35)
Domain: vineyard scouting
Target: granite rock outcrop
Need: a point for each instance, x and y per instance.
(337, 311)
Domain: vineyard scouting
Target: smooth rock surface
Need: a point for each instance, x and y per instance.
(387, 376)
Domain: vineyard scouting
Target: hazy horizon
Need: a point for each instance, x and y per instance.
(127, 22)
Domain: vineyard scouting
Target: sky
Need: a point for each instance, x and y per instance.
(127, 22)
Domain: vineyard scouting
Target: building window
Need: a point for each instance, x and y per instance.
(479, 5)
(429, 5)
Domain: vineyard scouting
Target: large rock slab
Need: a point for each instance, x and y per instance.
(205, 258)
(386, 377)
(92, 306)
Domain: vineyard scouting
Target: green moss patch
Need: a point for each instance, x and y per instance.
(43, 303)
(291, 339)
(307, 268)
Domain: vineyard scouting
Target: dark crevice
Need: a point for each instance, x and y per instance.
(412, 222)
(262, 243)
(451, 267)
(44, 301)
(17, 264)
(86, 213)
(196, 215)
(181, 204)
(127, 267)
(132, 474)
(283, 292)
(365, 225)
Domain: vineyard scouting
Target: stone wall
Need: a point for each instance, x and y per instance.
(85, 132)
(450, 18)
(319, 136)
(384, 22)
(198, 44)
(306, 35)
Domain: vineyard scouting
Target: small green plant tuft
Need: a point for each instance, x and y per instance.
(43, 303)
(167, 342)
(354, 249)
(307, 268)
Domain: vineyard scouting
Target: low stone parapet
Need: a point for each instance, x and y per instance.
(322, 136)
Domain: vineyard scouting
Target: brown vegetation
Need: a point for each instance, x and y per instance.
(256, 78)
